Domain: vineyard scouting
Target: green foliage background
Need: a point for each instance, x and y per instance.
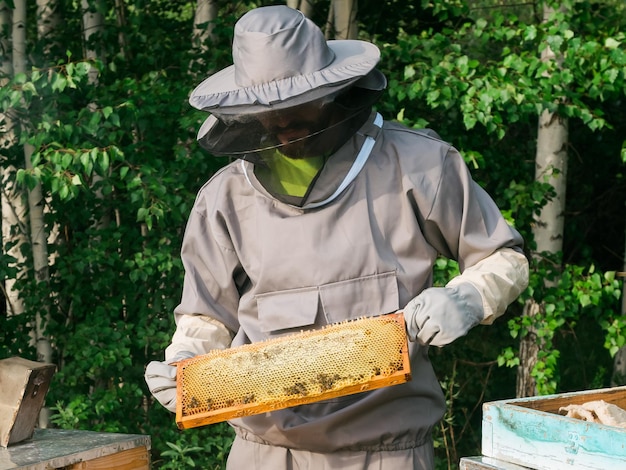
(120, 166)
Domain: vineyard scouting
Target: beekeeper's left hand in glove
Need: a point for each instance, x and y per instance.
(439, 315)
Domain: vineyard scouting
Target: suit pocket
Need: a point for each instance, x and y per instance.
(283, 310)
(362, 297)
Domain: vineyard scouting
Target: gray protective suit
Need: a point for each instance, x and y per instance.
(265, 268)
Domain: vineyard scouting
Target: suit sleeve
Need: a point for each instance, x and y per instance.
(206, 317)
(465, 224)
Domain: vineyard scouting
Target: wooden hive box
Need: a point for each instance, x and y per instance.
(23, 388)
(532, 433)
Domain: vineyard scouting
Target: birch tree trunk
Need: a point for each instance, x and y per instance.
(48, 21)
(305, 6)
(343, 19)
(120, 14)
(12, 198)
(38, 236)
(39, 246)
(93, 24)
(202, 34)
(38, 239)
(550, 167)
(618, 377)
(93, 27)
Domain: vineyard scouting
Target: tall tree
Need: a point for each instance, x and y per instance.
(12, 198)
(202, 34)
(93, 27)
(618, 377)
(342, 20)
(37, 233)
(550, 168)
(48, 21)
(305, 6)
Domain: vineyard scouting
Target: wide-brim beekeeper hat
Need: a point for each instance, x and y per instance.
(281, 59)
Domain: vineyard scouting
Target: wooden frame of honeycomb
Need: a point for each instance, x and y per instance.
(339, 359)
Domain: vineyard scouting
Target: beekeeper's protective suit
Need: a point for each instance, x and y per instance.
(340, 216)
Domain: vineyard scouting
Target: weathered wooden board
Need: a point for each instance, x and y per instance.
(487, 463)
(137, 458)
(78, 450)
(23, 387)
(530, 432)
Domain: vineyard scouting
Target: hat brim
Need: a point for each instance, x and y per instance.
(353, 60)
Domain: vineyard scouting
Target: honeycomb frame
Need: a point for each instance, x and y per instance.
(339, 359)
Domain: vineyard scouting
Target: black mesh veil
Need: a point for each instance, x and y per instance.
(245, 135)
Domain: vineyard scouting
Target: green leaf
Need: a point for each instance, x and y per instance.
(104, 160)
(115, 119)
(469, 120)
(409, 72)
(611, 43)
(64, 192)
(530, 33)
(30, 87)
(82, 69)
(65, 159)
(59, 82)
(142, 214)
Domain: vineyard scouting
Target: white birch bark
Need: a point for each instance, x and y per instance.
(18, 36)
(12, 198)
(39, 246)
(618, 378)
(344, 14)
(623, 275)
(120, 14)
(93, 23)
(38, 238)
(93, 27)
(14, 204)
(305, 6)
(550, 167)
(202, 34)
(48, 21)
(6, 21)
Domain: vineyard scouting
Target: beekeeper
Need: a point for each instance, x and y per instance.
(330, 213)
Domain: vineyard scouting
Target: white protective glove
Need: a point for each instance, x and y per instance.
(161, 380)
(481, 294)
(439, 315)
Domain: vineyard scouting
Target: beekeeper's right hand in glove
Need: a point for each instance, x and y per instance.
(194, 335)
(161, 380)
